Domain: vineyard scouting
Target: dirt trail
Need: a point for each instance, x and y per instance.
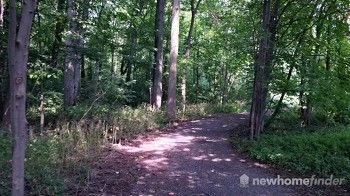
(196, 158)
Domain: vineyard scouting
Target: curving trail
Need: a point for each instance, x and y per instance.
(196, 158)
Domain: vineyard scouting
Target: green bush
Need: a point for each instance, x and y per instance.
(322, 152)
(59, 157)
(53, 107)
(45, 168)
(205, 109)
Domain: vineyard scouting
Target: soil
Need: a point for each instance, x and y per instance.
(190, 158)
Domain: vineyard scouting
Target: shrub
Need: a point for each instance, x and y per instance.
(45, 168)
(205, 109)
(322, 152)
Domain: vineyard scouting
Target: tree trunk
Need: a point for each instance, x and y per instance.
(42, 113)
(225, 82)
(1, 13)
(83, 71)
(328, 53)
(290, 72)
(18, 44)
(131, 57)
(262, 67)
(194, 9)
(174, 49)
(72, 71)
(3, 71)
(113, 62)
(157, 87)
(304, 95)
(197, 83)
(59, 28)
(280, 101)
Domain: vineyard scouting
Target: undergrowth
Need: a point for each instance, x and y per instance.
(321, 152)
(59, 156)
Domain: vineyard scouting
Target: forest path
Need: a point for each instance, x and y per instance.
(196, 158)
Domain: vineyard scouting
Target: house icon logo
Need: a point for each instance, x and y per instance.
(244, 181)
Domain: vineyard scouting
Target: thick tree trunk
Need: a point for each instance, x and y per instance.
(59, 28)
(174, 49)
(194, 9)
(18, 44)
(262, 67)
(72, 70)
(157, 75)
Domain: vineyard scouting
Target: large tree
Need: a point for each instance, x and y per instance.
(174, 49)
(157, 75)
(18, 43)
(72, 69)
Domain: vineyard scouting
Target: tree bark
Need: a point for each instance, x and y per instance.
(131, 56)
(59, 28)
(1, 13)
(18, 44)
(2, 69)
(157, 75)
(174, 49)
(262, 67)
(280, 101)
(72, 71)
(197, 83)
(194, 9)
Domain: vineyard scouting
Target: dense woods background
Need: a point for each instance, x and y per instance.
(91, 72)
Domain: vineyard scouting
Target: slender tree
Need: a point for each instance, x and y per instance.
(1, 13)
(262, 66)
(18, 43)
(2, 67)
(174, 49)
(157, 75)
(72, 70)
(59, 28)
(194, 9)
(132, 54)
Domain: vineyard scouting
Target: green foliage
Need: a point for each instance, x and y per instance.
(5, 164)
(206, 109)
(322, 152)
(53, 107)
(47, 170)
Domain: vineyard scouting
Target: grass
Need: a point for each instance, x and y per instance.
(60, 156)
(322, 152)
(46, 164)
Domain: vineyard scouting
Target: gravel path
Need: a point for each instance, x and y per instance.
(196, 158)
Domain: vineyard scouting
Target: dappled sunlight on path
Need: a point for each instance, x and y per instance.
(195, 159)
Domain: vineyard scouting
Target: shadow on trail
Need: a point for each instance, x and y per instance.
(196, 159)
